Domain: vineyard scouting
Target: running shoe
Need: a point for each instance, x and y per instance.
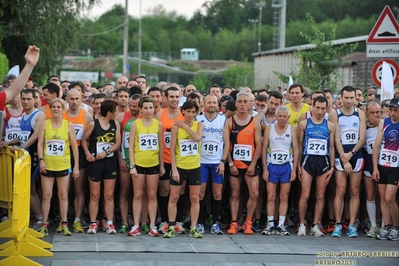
(356, 224)
(383, 235)
(268, 230)
(200, 229)
(170, 232)
(65, 231)
(371, 232)
(233, 230)
(59, 228)
(163, 227)
(315, 231)
(179, 228)
(111, 229)
(153, 231)
(144, 228)
(104, 225)
(43, 230)
(85, 224)
(321, 228)
(248, 228)
(330, 226)
(209, 220)
(393, 234)
(194, 233)
(282, 231)
(352, 231)
(301, 230)
(215, 229)
(337, 231)
(289, 222)
(92, 228)
(37, 225)
(240, 225)
(123, 229)
(134, 231)
(77, 227)
(256, 226)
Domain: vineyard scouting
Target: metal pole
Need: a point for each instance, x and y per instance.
(139, 68)
(260, 28)
(125, 40)
(282, 23)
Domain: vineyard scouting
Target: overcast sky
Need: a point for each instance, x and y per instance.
(183, 7)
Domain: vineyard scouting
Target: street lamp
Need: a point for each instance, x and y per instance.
(254, 21)
(260, 5)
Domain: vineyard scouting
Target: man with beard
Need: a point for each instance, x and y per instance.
(79, 117)
(122, 100)
(125, 119)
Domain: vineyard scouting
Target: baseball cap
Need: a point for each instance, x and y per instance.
(394, 103)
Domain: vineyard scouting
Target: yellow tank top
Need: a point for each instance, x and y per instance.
(146, 144)
(56, 154)
(294, 116)
(187, 149)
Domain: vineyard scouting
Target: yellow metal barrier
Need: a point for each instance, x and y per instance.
(23, 242)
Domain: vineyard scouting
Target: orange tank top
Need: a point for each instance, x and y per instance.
(167, 125)
(79, 123)
(48, 112)
(242, 140)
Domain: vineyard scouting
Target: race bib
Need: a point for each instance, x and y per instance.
(166, 138)
(23, 137)
(104, 146)
(210, 147)
(55, 147)
(148, 142)
(12, 133)
(126, 137)
(316, 147)
(370, 145)
(242, 152)
(279, 156)
(188, 147)
(388, 158)
(78, 131)
(349, 136)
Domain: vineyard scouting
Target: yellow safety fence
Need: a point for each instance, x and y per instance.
(15, 172)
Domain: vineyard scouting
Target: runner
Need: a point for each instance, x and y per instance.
(55, 136)
(279, 162)
(386, 170)
(100, 142)
(350, 126)
(146, 164)
(51, 91)
(185, 159)
(316, 141)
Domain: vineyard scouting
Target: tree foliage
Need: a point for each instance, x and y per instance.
(318, 67)
(51, 25)
(3, 65)
(239, 75)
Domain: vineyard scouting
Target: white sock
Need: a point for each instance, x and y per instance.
(371, 210)
(270, 219)
(39, 217)
(77, 219)
(281, 220)
(109, 222)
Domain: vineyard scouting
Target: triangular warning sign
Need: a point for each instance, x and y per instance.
(386, 29)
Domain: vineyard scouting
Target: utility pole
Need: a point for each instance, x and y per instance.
(139, 68)
(125, 41)
(254, 21)
(260, 5)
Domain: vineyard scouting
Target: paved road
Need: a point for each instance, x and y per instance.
(120, 250)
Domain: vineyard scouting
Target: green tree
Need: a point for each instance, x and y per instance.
(201, 81)
(52, 25)
(3, 65)
(239, 75)
(318, 67)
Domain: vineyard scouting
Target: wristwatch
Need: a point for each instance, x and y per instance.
(231, 164)
(353, 152)
(223, 161)
(132, 166)
(108, 152)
